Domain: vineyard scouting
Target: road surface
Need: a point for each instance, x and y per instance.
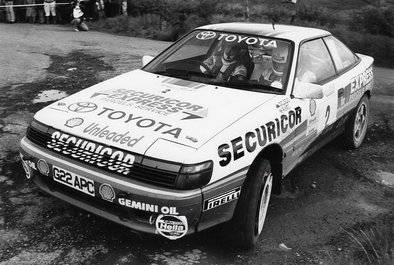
(336, 190)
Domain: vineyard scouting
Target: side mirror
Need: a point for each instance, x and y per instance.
(304, 90)
(146, 59)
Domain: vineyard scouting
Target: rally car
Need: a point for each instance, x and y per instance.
(204, 132)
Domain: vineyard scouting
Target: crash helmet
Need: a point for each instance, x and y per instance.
(233, 50)
(259, 53)
(279, 58)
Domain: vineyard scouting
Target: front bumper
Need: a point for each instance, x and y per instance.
(142, 207)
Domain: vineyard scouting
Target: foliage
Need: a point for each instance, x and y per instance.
(318, 15)
(374, 20)
(169, 19)
(374, 246)
(176, 17)
(236, 10)
(379, 47)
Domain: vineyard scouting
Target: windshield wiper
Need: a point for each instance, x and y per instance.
(244, 85)
(180, 73)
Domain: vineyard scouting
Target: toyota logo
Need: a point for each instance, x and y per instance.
(82, 107)
(206, 35)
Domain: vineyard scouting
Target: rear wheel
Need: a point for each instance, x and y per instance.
(251, 210)
(356, 127)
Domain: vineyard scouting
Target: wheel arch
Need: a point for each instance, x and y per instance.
(274, 154)
(368, 93)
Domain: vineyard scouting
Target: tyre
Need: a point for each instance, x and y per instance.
(356, 126)
(252, 205)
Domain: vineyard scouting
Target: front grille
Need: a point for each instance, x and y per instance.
(136, 171)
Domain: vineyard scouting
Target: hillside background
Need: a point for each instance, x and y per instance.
(366, 26)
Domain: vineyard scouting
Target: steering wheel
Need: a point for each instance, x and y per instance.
(203, 67)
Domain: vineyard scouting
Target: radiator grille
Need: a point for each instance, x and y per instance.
(136, 171)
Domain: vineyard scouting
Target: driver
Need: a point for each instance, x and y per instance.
(226, 63)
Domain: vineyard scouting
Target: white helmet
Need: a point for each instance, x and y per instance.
(279, 58)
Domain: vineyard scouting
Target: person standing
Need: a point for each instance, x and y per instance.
(10, 11)
(30, 11)
(124, 7)
(40, 11)
(50, 9)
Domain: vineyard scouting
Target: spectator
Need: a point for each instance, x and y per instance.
(10, 11)
(100, 9)
(124, 7)
(79, 17)
(111, 8)
(30, 11)
(63, 11)
(40, 11)
(20, 11)
(90, 12)
(50, 9)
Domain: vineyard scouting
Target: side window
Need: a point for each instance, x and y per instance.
(342, 55)
(314, 62)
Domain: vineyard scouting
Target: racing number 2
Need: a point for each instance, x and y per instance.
(327, 115)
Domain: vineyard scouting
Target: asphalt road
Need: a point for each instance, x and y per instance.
(335, 189)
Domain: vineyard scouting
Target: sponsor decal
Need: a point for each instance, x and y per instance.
(206, 35)
(107, 192)
(140, 121)
(93, 153)
(283, 105)
(248, 40)
(147, 206)
(343, 96)
(74, 122)
(196, 115)
(261, 136)
(151, 102)
(171, 227)
(82, 107)
(361, 80)
(312, 107)
(102, 132)
(222, 199)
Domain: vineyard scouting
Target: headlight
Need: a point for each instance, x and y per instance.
(194, 176)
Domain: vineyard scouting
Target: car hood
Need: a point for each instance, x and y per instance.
(137, 109)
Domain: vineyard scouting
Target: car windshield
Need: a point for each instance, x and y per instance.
(232, 60)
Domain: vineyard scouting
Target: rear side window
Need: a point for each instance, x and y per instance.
(314, 62)
(343, 57)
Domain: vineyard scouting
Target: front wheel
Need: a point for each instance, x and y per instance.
(251, 210)
(356, 127)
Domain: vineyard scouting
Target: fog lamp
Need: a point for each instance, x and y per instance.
(43, 167)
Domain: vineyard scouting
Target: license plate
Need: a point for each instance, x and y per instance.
(73, 180)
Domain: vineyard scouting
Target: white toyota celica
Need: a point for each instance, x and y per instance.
(205, 131)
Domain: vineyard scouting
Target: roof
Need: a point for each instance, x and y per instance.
(294, 33)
